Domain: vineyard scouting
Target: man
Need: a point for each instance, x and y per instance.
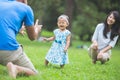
(12, 15)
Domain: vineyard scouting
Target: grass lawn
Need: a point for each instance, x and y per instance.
(79, 68)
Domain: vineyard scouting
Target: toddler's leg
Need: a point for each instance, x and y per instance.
(61, 66)
(46, 62)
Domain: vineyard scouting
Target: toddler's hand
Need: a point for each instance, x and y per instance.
(45, 39)
(65, 50)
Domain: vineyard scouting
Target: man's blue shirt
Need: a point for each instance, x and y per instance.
(12, 16)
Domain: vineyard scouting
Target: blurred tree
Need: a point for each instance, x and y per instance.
(37, 6)
(69, 11)
(84, 14)
(86, 18)
(107, 5)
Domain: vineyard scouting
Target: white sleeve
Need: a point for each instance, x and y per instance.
(95, 34)
(113, 42)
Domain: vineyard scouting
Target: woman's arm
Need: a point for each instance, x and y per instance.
(105, 49)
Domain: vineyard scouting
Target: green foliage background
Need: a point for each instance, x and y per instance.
(86, 14)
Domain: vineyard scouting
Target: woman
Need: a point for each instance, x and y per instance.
(105, 37)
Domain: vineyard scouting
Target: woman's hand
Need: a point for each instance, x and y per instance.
(100, 55)
(95, 45)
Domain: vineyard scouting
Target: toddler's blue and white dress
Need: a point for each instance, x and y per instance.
(56, 54)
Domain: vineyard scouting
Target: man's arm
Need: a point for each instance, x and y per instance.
(23, 1)
(33, 31)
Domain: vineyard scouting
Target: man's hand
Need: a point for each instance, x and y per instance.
(37, 26)
(22, 30)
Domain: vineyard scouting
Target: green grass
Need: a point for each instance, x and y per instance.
(79, 68)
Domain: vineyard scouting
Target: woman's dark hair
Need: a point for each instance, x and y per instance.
(115, 29)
